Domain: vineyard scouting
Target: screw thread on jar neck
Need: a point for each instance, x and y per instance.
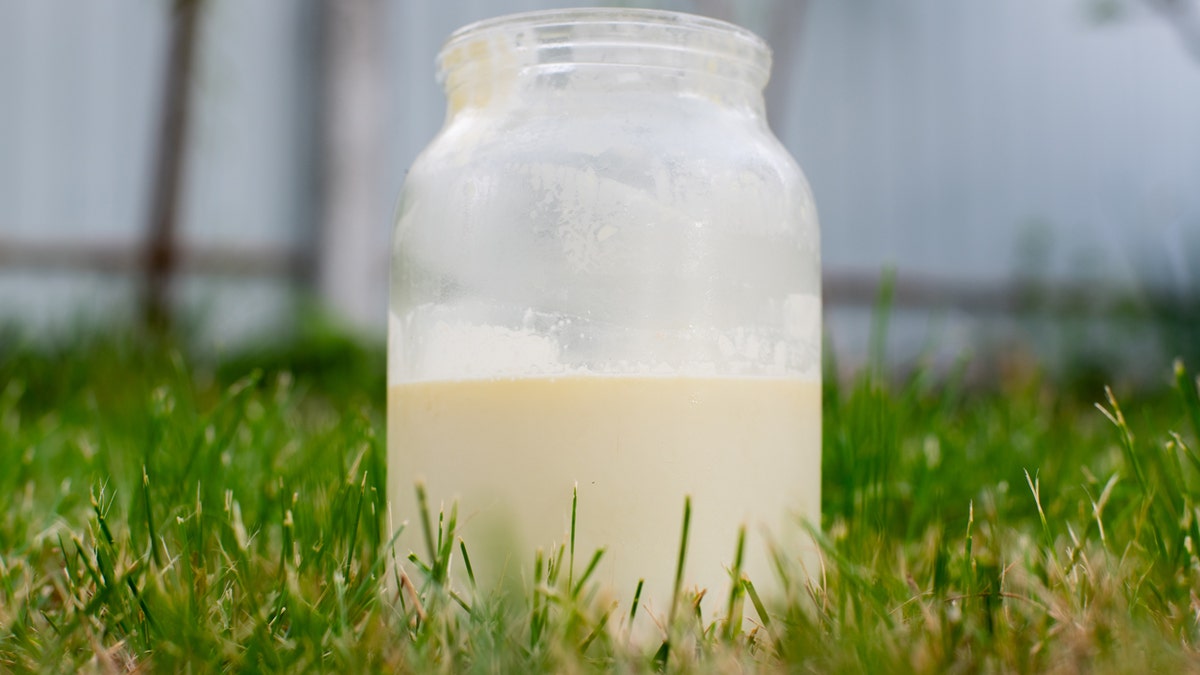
(608, 49)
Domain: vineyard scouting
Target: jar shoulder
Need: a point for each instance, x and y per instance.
(725, 171)
(627, 140)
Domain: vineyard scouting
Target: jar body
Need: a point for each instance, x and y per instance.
(606, 275)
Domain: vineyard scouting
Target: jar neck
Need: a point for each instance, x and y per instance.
(509, 59)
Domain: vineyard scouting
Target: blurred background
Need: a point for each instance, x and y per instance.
(1015, 181)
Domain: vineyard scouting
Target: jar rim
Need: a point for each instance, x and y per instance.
(736, 42)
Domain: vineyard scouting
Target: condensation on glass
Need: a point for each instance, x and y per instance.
(606, 274)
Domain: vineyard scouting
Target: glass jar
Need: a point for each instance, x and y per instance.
(606, 274)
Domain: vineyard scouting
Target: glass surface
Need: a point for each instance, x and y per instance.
(606, 272)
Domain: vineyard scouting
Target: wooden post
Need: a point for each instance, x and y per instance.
(160, 255)
(351, 277)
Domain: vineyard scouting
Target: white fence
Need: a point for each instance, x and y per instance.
(942, 138)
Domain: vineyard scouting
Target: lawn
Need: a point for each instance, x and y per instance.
(168, 510)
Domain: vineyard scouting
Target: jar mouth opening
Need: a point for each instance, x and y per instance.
(613, 27)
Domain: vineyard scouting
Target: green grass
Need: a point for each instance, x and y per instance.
(166, 512)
